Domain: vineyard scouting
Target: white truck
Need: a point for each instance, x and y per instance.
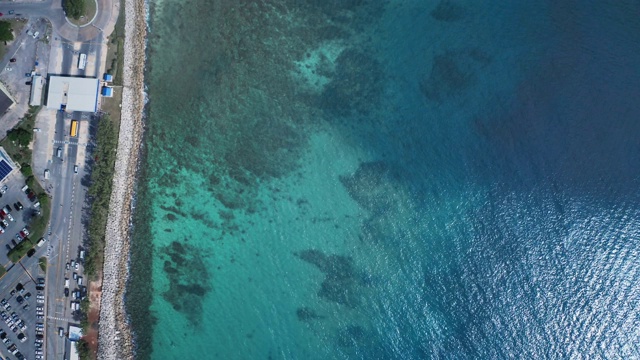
(46, 174)
(82, 61)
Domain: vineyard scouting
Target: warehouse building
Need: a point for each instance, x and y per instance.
(73, 93)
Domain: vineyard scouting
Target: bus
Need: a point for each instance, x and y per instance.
(82, 61)
(74, 128)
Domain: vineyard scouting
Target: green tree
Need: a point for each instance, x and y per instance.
(5, 31)
(20, 136)
(74, 8)
(26, 169)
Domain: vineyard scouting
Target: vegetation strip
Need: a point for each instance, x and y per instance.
(100, 193)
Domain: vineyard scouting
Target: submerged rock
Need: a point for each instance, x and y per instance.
(341, 281)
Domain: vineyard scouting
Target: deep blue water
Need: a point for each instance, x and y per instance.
(390, 180)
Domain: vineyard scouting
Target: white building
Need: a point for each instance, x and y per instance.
(73, 93)
(37, 85)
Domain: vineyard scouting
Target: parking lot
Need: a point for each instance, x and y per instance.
(22, 313)
(13, 222)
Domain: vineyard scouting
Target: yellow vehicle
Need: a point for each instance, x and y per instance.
(74, 128)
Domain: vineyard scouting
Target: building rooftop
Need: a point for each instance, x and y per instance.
(5, 100)
(37, 84)
(6, 165)
(73, 93)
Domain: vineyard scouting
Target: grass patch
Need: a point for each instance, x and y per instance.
(100, 193)
(2, 271)
(43, 264)
(16, 26)
(20, 250)
(115, 53)
(88, 11)
(111, 105)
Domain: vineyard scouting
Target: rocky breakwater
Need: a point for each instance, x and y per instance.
(114, 338)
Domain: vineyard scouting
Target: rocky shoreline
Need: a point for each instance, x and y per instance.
(114, 337)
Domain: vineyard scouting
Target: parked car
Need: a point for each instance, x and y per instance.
(31, 252)
(13, 60)
(27, 82)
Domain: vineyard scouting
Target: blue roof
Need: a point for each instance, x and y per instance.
(107, 77)
(5, 169)
(107, 91)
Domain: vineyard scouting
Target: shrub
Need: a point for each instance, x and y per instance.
(74, 8)
(20, 136)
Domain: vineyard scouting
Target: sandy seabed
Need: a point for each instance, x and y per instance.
(114, 338)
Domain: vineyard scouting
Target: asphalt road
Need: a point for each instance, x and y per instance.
(66, 231)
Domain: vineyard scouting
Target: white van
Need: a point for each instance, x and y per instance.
(41, 242)
(79, 280)
(66, 282)
(46, 174)
(81, 254)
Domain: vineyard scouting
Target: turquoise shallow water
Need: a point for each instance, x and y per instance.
(388, 180)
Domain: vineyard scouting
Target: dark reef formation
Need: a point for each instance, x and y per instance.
(189, 279)
(342, 279)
